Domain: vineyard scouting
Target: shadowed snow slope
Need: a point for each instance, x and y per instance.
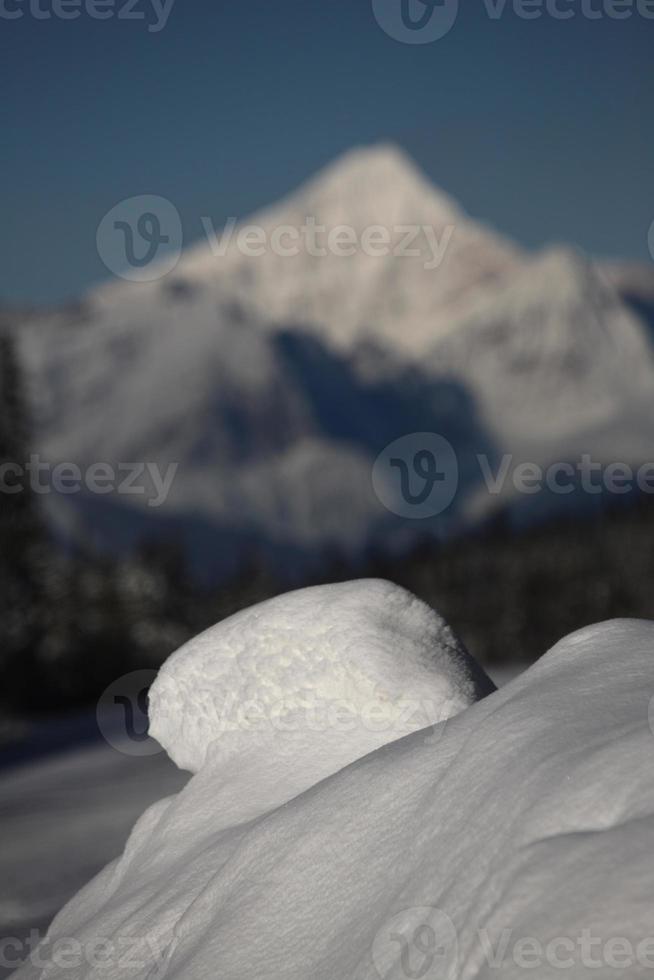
(528, 814)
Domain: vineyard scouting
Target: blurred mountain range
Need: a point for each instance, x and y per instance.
(274, 381)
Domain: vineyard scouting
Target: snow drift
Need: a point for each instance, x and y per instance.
(515, 834)
(320, 676)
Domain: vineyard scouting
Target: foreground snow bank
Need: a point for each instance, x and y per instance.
(516, 836)
(279, 696)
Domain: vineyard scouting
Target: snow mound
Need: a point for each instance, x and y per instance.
(327, 673)
(516, 837)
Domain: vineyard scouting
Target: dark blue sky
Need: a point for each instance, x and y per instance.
(541, 127)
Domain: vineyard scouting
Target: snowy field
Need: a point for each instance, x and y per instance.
(495, 832)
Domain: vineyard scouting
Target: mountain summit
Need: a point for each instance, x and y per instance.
(379, 183)
(378, 254)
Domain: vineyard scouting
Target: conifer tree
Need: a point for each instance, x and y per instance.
(21, 537)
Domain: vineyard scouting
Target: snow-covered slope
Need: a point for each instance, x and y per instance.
(272, 382)
(517, 833)
(62, 819)
(554, 356)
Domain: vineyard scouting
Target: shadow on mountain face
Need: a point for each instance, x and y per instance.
(305, 394)
(371, 414)
(644, 310)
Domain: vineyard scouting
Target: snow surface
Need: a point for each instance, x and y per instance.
(311, 680)
(529, 815)
(558, 336)
(61, 820)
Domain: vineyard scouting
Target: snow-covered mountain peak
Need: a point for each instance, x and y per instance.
(368, 250)
(374, 183)
(378, 161)
(365, 188)
(273, 378)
